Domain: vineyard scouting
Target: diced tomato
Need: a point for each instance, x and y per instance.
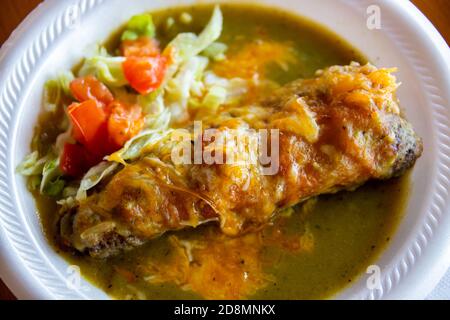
(141, 47)
(102, 144)
(102, 125)
(76, 160)
(89, 88)
(124, 122)
(145, 74)
(87, 119)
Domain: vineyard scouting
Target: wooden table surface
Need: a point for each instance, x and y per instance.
(12, 12)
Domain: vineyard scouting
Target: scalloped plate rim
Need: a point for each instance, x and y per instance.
(24, 285)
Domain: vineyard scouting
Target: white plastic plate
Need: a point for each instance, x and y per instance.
(53, 38)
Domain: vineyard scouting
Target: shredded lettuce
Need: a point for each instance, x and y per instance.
(43, 173)
(67, 203)
(55, 89)
(139, 25)
(64, 80)
(140, 145)
(184, 75)
(31, 165)
(54, 188)
(188, 45)
(51, 183)
(235, 88)
(211, 32)
(216, 51)
(63, 138)
(218, 91)
(157, 115)
(106, 68)
(179, 88)
(93, 177)
(52, 95)
(161, 121)
(216, 96)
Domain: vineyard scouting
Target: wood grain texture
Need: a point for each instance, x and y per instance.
(438, 11)
(12, 12)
